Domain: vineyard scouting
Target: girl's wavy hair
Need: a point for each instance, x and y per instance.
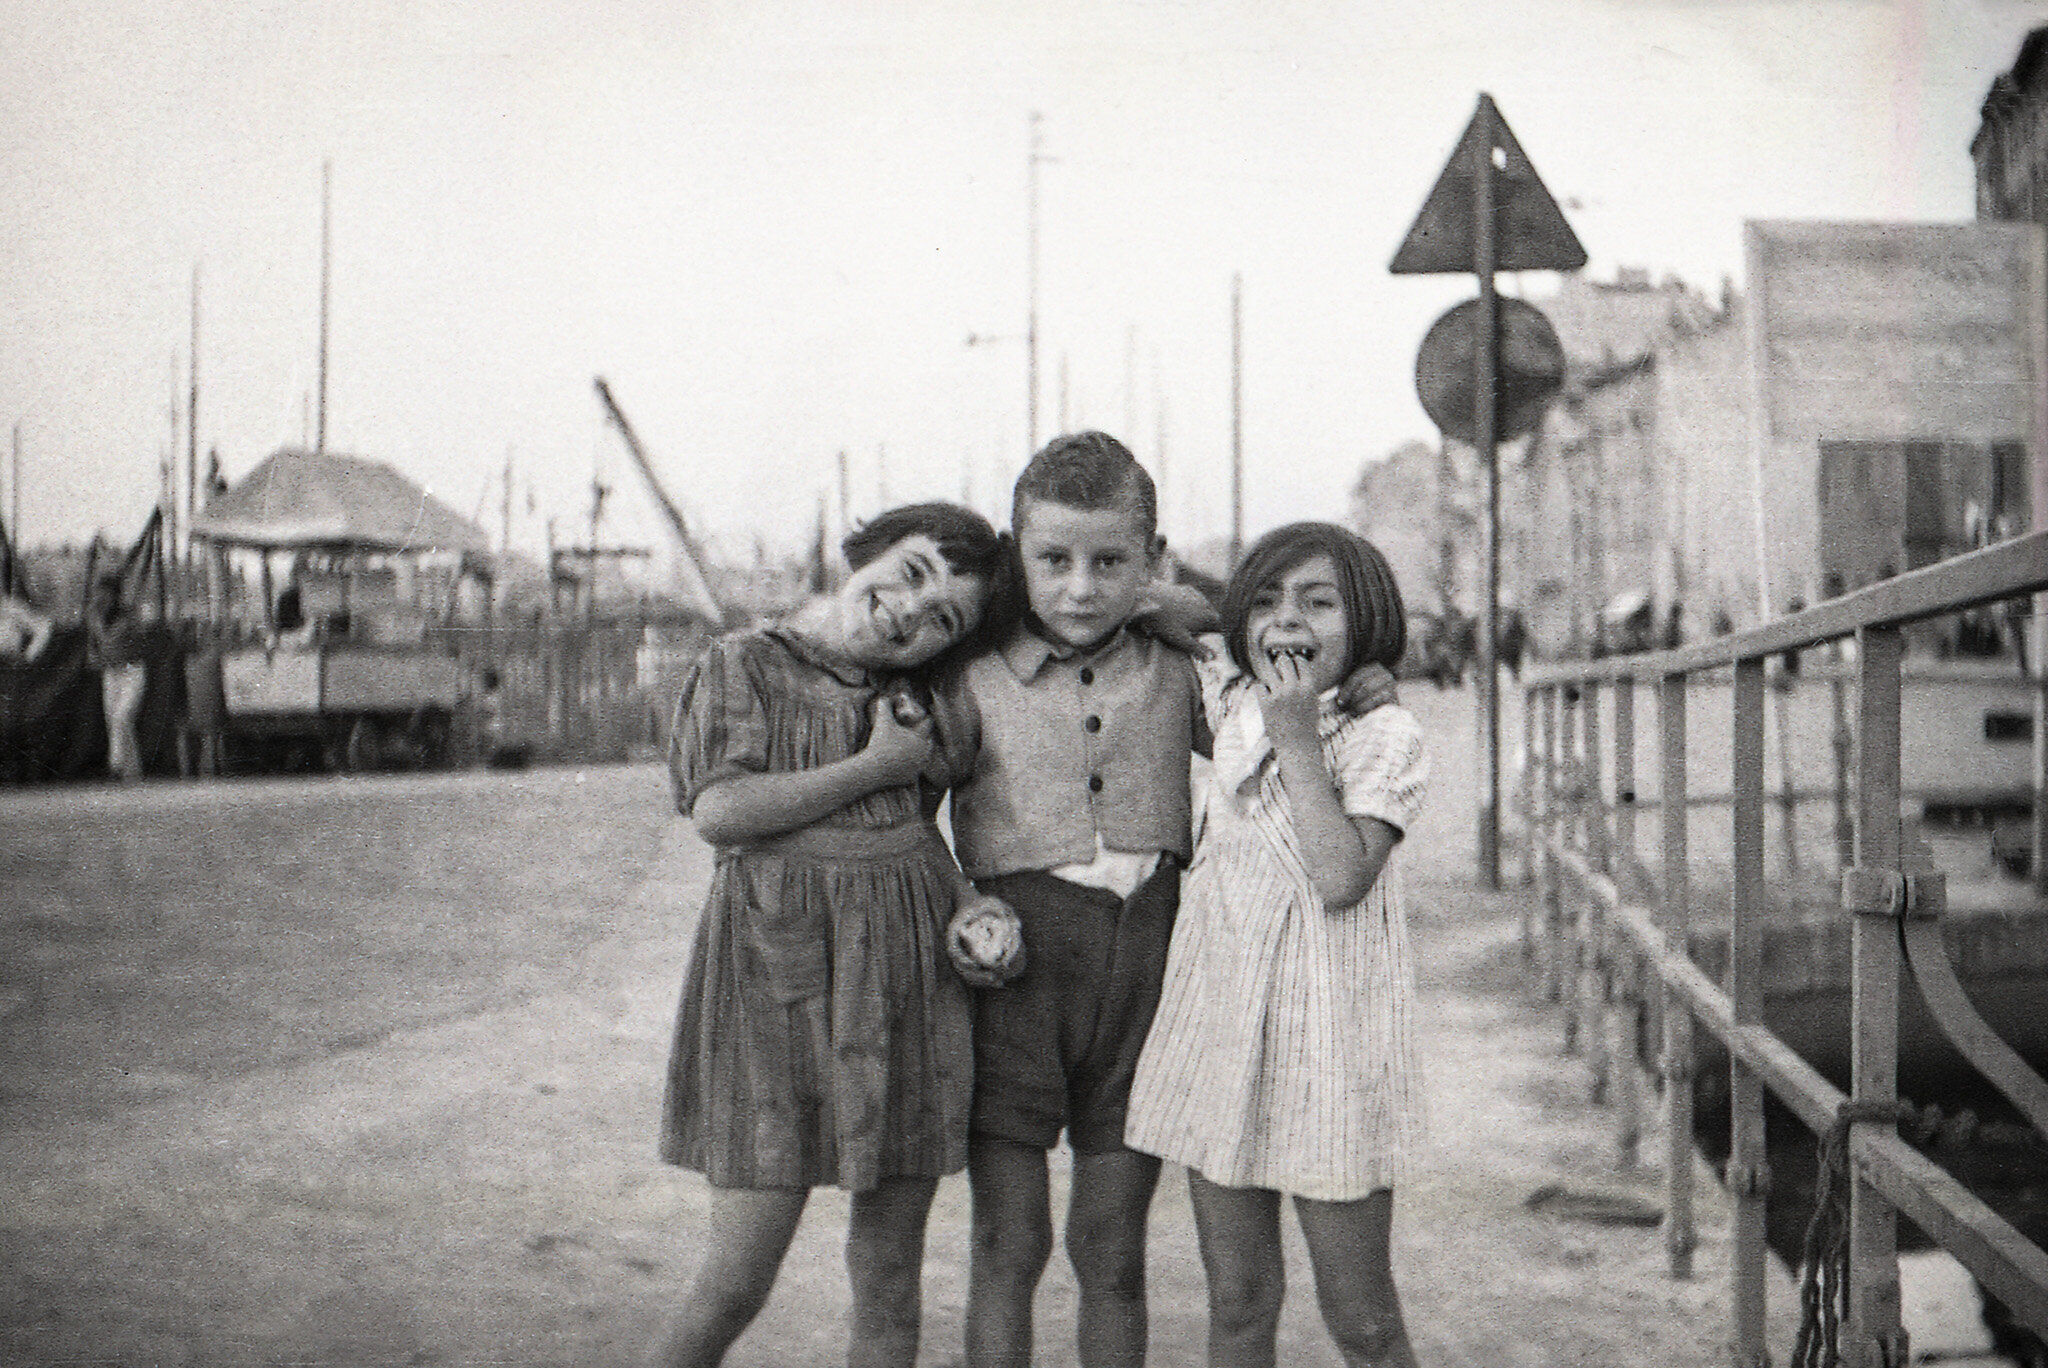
(1372, 600)
(969, 546)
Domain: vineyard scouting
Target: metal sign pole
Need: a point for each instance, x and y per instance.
(1479, 221)
(1485, 389)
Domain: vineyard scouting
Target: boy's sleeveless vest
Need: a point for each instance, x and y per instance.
(1069, 748)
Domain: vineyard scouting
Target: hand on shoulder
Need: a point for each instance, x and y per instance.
(1178, 615)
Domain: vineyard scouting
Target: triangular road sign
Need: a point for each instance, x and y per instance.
(1530, 233)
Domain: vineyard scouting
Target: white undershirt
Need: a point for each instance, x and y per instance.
(1116, 871)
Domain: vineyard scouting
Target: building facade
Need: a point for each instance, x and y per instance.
(2011, 147)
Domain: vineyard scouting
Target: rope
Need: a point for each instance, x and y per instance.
(1824, 1257)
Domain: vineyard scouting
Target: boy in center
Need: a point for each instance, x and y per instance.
(1076, 814)
(1070, 746)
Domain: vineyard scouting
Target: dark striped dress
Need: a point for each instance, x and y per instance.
(1282, 1054)
(823, 1036)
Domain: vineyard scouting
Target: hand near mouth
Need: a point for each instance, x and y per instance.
(1287, 696)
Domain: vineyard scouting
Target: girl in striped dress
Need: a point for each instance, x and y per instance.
(824, 1035)
(1280, 1061)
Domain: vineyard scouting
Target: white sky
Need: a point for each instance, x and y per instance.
(772, 224)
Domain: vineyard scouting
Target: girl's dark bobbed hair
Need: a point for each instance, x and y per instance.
(969, 545)
(1372, 600)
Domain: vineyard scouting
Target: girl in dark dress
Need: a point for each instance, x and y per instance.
(823, 1036)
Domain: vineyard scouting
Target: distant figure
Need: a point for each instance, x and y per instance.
(1514, 641)
(291, 615)
(113, 649)
(1791, 661)
(2019, 619)
(1436, 655)
(24, 632)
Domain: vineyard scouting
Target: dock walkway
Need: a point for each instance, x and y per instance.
(476, 1182)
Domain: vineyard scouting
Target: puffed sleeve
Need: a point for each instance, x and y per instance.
(1382, 766)
(721, 722)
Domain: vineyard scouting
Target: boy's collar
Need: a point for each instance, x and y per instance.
(1028, 650)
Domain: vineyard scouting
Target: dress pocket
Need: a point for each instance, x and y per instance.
(788, 927)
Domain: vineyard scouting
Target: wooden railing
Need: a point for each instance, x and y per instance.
(1603, 955)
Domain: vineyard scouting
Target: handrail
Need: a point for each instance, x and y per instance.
(2003, 570)
(1591, 942)
(2008, 1263)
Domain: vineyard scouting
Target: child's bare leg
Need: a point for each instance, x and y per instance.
(1012, 1241)
(1239, 1230)
(746, 1233)
(1348, 1246)
(1112, 1193)
(885, 1265)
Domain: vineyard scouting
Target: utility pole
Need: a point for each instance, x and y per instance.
(598, 491)
(845, 512)
(167, 504)
(1130, 433)
(14, 492)
(1031, 314)
(505, 508)
(326, 200)
(192, 423)
(1236, 419)
(1066, 421)
(1159, 442)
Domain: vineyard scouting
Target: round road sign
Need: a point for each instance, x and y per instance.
(1531, 369)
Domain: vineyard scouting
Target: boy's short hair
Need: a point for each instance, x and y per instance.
(1086, 470)
(1373, 612)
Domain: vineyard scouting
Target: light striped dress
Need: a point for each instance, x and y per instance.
(1282, 1055)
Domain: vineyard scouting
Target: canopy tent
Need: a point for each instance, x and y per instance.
(317, 500)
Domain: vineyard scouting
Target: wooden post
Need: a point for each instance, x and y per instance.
(1570, 815)
(1625, 1008)
(1531, 794)
(1553, 828)
(1748, 1164)
(1593, 912)
(1623, 855)
(1680, 1233)
(1873, 1331)
(1845, 825)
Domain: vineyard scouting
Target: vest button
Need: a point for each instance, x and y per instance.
(1095, 783)
(1087, 676)
(1091, 723)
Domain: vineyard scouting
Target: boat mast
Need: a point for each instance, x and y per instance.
(326, 200)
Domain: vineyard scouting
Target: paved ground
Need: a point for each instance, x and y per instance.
(363, 1072)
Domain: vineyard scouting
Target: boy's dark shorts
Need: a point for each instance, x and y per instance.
(1057, 1047)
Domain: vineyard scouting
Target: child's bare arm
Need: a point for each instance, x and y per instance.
(750, 807)
(1344, 856)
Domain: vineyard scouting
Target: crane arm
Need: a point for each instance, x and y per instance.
(694, 583)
